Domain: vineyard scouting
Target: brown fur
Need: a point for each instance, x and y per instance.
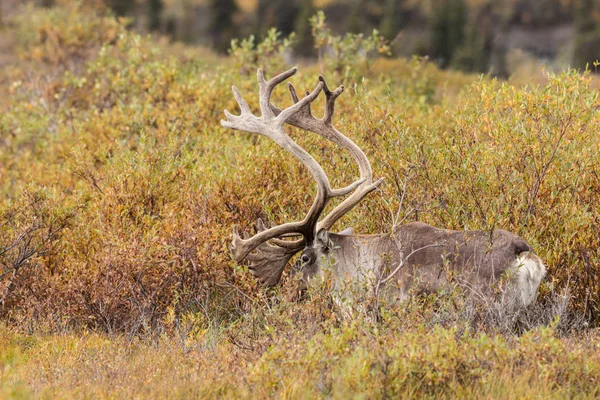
(417, 257)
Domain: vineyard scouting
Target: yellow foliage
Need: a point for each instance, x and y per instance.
(118, 141)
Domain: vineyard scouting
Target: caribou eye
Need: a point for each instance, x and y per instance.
(305, 258)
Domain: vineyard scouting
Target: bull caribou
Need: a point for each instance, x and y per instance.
(414, 257)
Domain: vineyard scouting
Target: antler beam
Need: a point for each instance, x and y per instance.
(304, 119)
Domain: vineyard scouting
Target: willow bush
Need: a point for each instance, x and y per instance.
(137, 186)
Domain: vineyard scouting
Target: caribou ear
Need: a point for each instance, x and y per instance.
(347, 232)
(323, 239)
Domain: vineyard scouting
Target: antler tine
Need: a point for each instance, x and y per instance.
(306, 110)
(291, 111)
(244, 107)
(266, 89)
(271, 125)
(330, 98)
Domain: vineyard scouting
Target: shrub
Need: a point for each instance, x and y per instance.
(348, 56)
(125, 141)
(268, 54)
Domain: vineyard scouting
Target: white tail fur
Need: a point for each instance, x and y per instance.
(529, 270)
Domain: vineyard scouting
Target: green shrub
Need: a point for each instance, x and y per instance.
(268, 54)
(348, 56)
(65, 36)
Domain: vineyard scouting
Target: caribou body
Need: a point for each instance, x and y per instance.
(420, 259)
(412, 258)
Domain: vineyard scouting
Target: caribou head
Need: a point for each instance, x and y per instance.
(414, 257)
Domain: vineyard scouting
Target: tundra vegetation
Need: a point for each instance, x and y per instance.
(120, 187)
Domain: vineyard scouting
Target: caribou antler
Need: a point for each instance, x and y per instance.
(268, 261)
(304, 119)
(271, 124)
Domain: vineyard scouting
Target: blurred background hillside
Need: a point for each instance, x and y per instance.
(500, 37)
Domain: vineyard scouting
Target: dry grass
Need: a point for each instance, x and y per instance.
(352, 360)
